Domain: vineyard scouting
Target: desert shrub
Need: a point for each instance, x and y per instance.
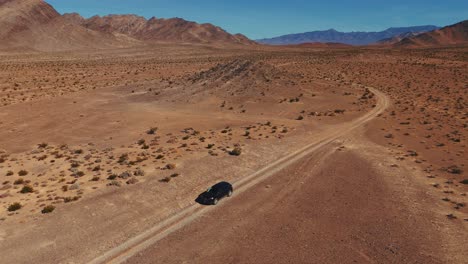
(125, 175)
(451, 216)
(139, 172)
(95, 178)
(300, 118)
(71, 199)
(42, 145)
(166, 179)
(65, 188)
(132, 181)
(145, 146)
(123, 158)
(48, 209)
(170, 166)
(160, 157)
(2, 160)
(78, 151)
(141, 142)
(43, 157)
(18, 181)
(23, 173)
(236, 151)
(465, 181)
(27, 189)
(112, 176)
(114, 183)
(14, 207)
(210, 146)
(174, 175)
(454, 170)
(152, 131)
(9, 173)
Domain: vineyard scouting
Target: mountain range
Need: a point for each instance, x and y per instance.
(36, 25)
(154, 29)
(350, 38)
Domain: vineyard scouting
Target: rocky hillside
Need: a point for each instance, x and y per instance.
(35, 25)
(162, 30)
(456, 34)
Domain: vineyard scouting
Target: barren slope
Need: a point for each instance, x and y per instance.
(34, 24)
(162, 30)
(451, 35)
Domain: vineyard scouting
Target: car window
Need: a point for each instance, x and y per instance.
(213, 189)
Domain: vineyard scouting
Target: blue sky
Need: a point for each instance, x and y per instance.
(268, 18)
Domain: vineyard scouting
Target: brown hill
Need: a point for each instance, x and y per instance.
(34, 24)
(161, 30)
(451, 35)
(396, 39)
(17, 16)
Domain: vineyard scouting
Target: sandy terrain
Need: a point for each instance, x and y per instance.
(100, 149)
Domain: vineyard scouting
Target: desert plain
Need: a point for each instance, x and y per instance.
(340, 155)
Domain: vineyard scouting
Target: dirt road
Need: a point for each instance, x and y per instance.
(187, 216)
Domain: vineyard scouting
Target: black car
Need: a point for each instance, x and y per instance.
(215, 193)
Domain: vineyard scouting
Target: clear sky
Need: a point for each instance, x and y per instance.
(269, 18)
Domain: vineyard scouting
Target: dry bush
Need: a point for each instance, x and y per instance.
(236, 151)
(170, 166)
(27, 189)
(14, 207)
(48, 209)
(165, 179)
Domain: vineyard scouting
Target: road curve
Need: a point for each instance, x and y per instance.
(142, 241)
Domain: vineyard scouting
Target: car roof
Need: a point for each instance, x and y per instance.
(221, 184)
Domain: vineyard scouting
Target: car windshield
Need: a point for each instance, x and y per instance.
(212, 189)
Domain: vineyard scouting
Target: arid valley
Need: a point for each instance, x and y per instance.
(337, 154)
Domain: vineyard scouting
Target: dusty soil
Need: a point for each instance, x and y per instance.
(330, 208)
(134, 135)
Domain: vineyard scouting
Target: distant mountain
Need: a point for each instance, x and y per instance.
(451, 35)
(154, 29)
(350, 38)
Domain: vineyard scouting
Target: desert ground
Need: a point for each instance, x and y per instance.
(337, 155)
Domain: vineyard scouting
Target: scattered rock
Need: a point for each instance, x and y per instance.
(74, 186)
